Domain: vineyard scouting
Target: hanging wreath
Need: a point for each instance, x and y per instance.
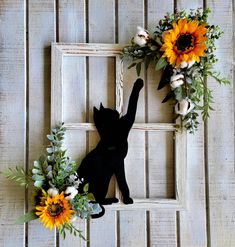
(60, 197)
(183, 46)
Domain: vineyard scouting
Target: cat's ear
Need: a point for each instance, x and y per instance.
(95, 114)
(95, 110)
(101, 107)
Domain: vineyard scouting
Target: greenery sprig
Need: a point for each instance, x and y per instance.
(183, 46)
(59, 194)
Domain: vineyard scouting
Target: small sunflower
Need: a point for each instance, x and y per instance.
(185, 42)
(54, 211)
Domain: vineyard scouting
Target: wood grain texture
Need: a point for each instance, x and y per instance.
(192, 222)
(163, 229)
(12, 119)
(72, 21)
(72, 28)
(160, 151)
(130, 15)
(136, 126)
(220, 150)
(40, 35)
(101, 89)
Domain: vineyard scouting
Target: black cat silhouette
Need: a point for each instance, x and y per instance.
(107, 158)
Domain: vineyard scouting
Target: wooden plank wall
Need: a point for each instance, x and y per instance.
(27, 29)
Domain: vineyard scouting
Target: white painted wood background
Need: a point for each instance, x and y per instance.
(27, 28)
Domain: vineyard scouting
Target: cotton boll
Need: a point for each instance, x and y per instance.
(52, 192)
(177, 77)
(183, 64)
(141, 37)
(191, 63)
(177, 80)
(177, 83)
(184, 107)
(70, 193)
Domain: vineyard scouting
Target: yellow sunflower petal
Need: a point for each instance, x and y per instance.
(192, 26)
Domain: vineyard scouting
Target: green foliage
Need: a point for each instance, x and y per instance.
(67, 226)
(161, 63)
(17, 175)
(62, 166)
(194, 87)
(26, 218)
(82, 206)
(55, 170)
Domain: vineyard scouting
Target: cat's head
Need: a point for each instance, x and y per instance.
(105, 118)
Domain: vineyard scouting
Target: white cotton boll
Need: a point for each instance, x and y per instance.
(177, 77)
(184, 107)
(71, 192)
(183, 64)
(191, 63)
(52, 192)
(141, 37)
(177, 83)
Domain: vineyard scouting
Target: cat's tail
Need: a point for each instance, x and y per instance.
(100, 214)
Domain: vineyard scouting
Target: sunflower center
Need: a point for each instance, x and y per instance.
(55, 209)
(184, 42)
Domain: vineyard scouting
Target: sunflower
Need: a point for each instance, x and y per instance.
(185, 42)
(54, 211)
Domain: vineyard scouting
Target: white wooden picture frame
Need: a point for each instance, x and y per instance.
(59, 51)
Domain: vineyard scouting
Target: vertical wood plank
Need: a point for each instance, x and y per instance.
(72, 21)
(133, 223)
(163, 228)
(192, 222)
(12, 118)
(220, 150)
(160, 152)
(72, 29)
(101, 89)
(161, 171)
(132, 229)
(41, 34)
(74, 89)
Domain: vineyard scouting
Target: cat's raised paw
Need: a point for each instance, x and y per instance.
(128, 200)
(139, 83)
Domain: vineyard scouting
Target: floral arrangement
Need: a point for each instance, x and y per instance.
(60, 197)
(183, 46)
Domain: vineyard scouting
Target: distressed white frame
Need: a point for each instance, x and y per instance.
(59, 51)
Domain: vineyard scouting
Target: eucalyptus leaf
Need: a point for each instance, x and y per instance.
(50, 137)
(37, 177)
(138, 68)
(36, 164)
(50, 150)
(35, 171)
(161, 63)
(26, 218)
(132, 65)
(90, 197)
(86, 188)
(38, 184)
